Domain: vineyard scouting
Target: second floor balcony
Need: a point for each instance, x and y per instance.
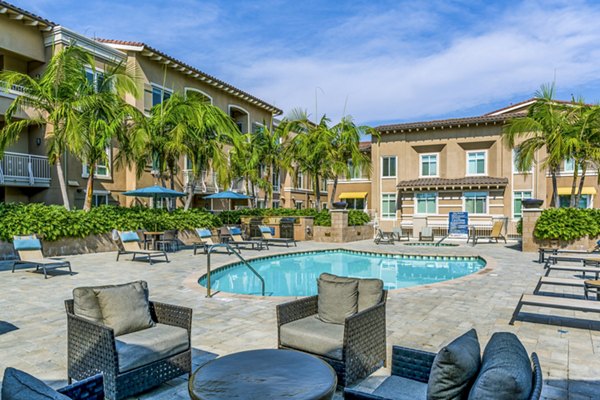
(207, 183)
(22, 169)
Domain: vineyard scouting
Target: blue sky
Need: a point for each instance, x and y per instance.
(379, 61)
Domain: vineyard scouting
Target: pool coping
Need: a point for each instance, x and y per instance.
(192, 281)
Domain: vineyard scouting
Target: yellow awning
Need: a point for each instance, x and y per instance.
(353, 195)
(585, 190)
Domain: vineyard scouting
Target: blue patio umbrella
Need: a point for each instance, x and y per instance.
(228, 195)
(155, 192)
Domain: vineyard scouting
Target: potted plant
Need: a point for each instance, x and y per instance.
(532, 203)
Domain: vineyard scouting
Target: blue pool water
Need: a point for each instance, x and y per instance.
(296, 274)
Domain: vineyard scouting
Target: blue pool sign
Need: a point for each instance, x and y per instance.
(458, 224)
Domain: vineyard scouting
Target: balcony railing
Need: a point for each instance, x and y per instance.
(207, 183)
(13, 90)
(20, 169)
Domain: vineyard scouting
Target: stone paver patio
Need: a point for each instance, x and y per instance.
(423, 317)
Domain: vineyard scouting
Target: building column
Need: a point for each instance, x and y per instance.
(530, 217)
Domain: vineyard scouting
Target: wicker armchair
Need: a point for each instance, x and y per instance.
(92, 349)
(91, 388)
(364, 342)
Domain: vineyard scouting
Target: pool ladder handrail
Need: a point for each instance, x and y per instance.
(242, 259)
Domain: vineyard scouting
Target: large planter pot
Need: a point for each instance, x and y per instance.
(532, 203)
(340, 205)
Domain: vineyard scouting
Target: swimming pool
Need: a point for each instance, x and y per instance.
(295, 274)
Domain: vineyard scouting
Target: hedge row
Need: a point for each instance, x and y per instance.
(55, 222)
(567, 223)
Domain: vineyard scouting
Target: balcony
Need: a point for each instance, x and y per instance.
(206, 184)
(20, 169)
(13, 91)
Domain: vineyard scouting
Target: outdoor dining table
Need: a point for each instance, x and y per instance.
(264, 374)
(153, 236)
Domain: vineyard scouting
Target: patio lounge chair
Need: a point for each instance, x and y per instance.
(267, 236)
(21, 385)
(29, 251)
(204, 240)
(559, 303)
(505, 372)
(353, 345)
(495, 234)
(131, 245)
(381, 237)
(400, 234)
(237, 240)
(426, 234)
(135, 343)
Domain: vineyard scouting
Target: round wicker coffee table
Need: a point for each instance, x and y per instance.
(264, 374)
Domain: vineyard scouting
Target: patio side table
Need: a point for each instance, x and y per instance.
(264, 374)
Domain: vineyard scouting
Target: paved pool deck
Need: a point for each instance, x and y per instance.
(33, 321)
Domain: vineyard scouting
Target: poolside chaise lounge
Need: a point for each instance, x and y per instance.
(237, 240)
(130, 241)
(457, 371)
(426, 234)
(205, 240)
(584, 268)
(29, 251)
(495, 234)
(17, 384)
(560, 303)
(547, 280)
(381, 237)
(400, 234)
(551, 251)
(343, 325)
(137, 344)
(267, 236)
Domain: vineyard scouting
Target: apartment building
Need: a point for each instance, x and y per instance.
(27, 42)
(424, 170)
(354, 189)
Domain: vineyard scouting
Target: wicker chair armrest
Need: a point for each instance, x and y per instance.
(295, 310)
(538, 379)
(91, 347)
(91, 388)
(353, 394)
(364, 333)
(411, 363)
(170, 314)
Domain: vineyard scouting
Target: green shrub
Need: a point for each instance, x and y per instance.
(567, 223)
(357, 218)
(520, 226)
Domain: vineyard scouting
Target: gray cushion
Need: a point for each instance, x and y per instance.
(505, 370)
(125, 308)
(314, 336)
(18, 385)
(399, 388)
(337, 300)
(454, 368)
(369, 289)
(144, 347)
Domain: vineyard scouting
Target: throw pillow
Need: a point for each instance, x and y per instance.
(19, 385)
(369, 289)
(506, 372)
(454, 368)
(125, 308)
(337, 300)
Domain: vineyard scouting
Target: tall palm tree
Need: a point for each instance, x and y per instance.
(104, 117)
(52, 96)
(346, 147)
(267, 144)
(244, 159)
(544, 126)
(310, 151)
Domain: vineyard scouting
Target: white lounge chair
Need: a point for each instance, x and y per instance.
(130, 241)
(381, 237)
(267, 236)
(29, 251)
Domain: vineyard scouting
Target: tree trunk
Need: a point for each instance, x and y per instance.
(191, 189)
(172, 201)
(333, 190)
(268, 193)
(247, 185)
(581, 182)
(572, 202)
(89, 190)
(317, 193)
(555, 200)
(61, 183)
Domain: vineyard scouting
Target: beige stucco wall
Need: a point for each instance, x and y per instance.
(21, 41)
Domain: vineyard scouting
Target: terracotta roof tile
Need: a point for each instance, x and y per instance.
(452, 122)
(466, 182)
(27, 13)
(213, 80)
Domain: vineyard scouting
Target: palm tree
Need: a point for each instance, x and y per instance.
(244, 159)
(310, 151)
(346, 147)
(52, 96)
(267, 144)
(104, 118)
(545, 126)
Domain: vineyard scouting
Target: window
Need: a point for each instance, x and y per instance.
(99, 199)
(159, 95)
(429, 165)
(275, 181)
(476, 163)
(355, 172)
(199, 95)
(518, 197)
(102, 167)
(95, 78)
(516, 169)
(569, 166)
(276, 204)
(476, 202)
(256, 127)
(299, 205)
(260, 204)
(426, 203)
(324, 205)
(585, 201)
(388, 206)
(356, 204)
(388, 167)
(299, 180)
